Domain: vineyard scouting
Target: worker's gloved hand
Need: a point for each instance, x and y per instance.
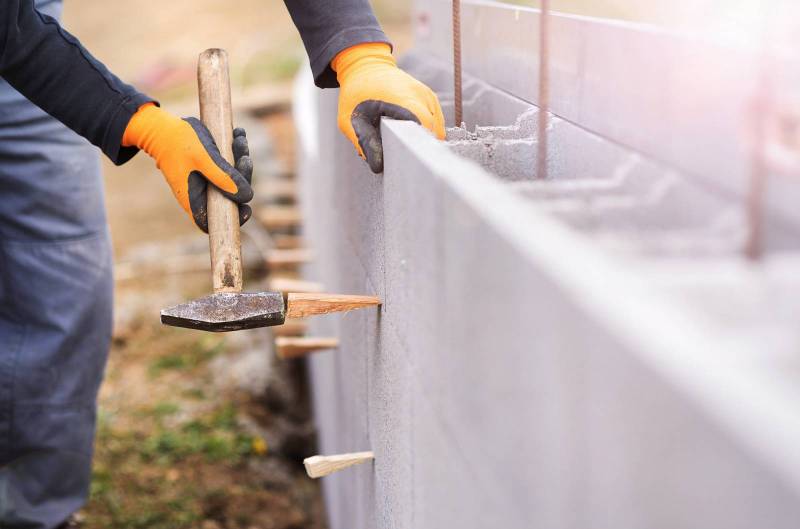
(187, 155)
(372, 86)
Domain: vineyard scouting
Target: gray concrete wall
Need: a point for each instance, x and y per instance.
(527, 368)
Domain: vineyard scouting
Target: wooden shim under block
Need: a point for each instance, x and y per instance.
(319, 466)
(287, 242)
(277, 217)
(280, 258)
(292, 347)
(301, 305)
(286, 285)
(290, 328)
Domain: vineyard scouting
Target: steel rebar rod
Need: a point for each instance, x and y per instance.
(458, 94)
(762, 105)
(754, 245)
(544, 89)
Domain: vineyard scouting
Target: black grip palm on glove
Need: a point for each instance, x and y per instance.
(198, 183)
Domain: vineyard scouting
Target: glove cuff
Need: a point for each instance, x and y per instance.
(142, 127)
(365, 54)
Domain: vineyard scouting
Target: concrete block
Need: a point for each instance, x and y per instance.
(390, 401)
(359, 196)
(413, 248)
(638, 473)
(521, 445)
(447, 493)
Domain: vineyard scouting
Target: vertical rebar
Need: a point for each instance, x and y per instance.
(754, 245)
(762, 104)
(459, 117)
(544, 89)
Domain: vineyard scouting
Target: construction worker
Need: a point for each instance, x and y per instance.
(55, 257)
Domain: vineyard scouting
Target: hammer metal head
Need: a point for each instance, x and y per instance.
(228, 311)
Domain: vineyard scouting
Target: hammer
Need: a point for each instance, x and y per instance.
(228, 308)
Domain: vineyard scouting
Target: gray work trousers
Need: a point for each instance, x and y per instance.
(55, 311)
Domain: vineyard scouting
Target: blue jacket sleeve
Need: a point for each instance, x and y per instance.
(53, 70)
(330, 26)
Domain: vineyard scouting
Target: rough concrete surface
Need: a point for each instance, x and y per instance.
(587, 351)
(683, 97)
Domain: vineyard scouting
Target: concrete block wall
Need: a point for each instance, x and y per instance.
(589, 351)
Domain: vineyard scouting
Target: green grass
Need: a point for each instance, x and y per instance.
(215, 436)
(194, 394)
(188, 358)
(163, 409)
(129, 489)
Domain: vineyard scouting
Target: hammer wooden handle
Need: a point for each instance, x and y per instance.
(223, 214)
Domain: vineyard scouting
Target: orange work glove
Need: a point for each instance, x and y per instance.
(372, 86)
(187, 155)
